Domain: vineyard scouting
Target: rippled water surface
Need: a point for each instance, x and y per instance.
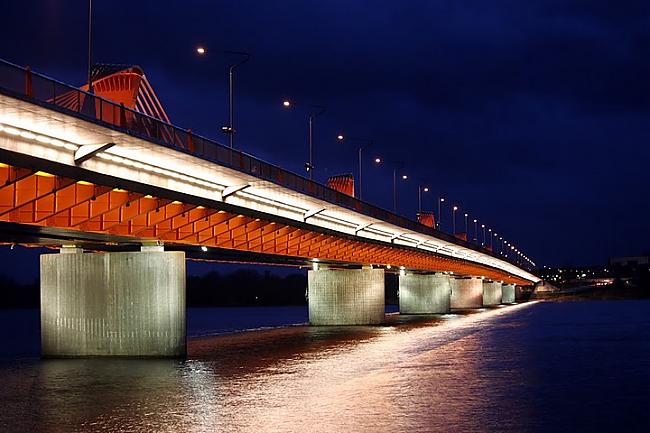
(537, 367)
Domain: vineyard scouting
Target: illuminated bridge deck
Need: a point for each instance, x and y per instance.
(114, 176)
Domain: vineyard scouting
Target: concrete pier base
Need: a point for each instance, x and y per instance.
(424, 294)
(466, 293)
(508, 294)
(492, 293)
(129, 304)
(346, 297)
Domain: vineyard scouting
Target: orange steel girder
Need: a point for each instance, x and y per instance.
(38, 198)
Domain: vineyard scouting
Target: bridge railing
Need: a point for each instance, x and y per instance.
(23, 83)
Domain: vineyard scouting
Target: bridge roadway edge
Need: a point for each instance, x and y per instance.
(79, 173)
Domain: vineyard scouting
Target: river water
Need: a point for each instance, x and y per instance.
(533, 367)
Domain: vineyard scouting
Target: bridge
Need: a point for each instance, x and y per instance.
(126, 197)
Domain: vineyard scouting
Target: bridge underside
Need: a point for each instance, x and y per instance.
(71, 204)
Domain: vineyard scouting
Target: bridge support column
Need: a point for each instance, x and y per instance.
(128, 304)
(466, 293)
(492, 293)
(424, 294)
(508, 294)
(346, 297)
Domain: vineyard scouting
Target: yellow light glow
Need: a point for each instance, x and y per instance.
(43, 174)
(176, 202)
(83, 182)
(118, 190)
(148, 196)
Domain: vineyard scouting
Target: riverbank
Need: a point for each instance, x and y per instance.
(597, 293)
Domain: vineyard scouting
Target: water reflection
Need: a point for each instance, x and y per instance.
(457, 372)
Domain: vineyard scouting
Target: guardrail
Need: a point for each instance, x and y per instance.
(23, 83)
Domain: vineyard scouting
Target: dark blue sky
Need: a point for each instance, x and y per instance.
(531, 115)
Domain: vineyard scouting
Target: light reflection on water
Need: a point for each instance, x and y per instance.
(464, 372)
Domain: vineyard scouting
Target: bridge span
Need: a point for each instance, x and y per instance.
(126, 197)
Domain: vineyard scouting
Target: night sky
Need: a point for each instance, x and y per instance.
(533, 116)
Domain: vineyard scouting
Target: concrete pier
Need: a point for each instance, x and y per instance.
(128, 304)
(492, 293)
(508, 294)
(424, 294)
(466, 293)
(346, 297)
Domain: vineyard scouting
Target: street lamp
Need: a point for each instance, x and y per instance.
(369, 143)
(420, 190)
(316, 111)
(440, 201)
(476, 231)
(453, 219)
(483, 227)
(90, 46)
(466, 232)
(230, 128)
(404, 177)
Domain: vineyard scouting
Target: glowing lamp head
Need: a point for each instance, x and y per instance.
(405, 177)
(377, 160)
(482, 226)
(200, 50)
(286, 103)
(475, 221)
(466, 215)
(340, 137)
(425, 189)
(455, 208)
(442, 200)
(204, 248)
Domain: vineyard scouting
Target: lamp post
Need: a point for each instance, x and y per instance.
(453, 219)
(316, 111)
(231, 116)
(230, 128)
(440, 201)
(420, 189)
(404, 177)
(476, 231)
(369, 143)
(90, 46)
(483, 227)
(466, 231)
